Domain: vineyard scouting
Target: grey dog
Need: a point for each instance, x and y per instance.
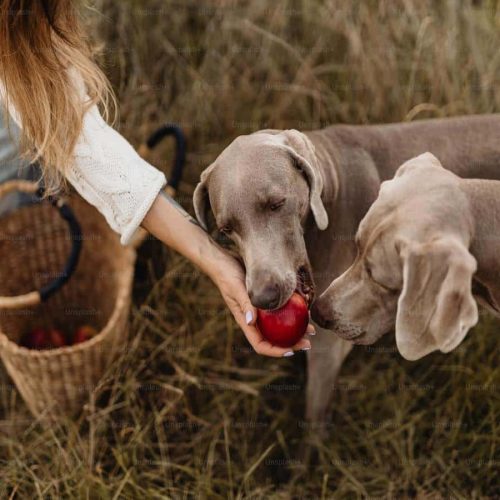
(292, 201)
(427, 248)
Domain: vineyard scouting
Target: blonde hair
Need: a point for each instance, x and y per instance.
(41, 45)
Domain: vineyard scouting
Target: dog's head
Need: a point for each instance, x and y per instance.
(261, 189)
(413, 271)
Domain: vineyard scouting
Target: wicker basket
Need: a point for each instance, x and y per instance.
(34, 247)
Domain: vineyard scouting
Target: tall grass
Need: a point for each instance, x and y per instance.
(189, 410)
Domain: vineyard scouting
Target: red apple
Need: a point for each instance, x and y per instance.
(285, 326)
(83, 334)
(36, 339)
(56, 338)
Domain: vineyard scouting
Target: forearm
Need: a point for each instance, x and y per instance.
(171, 224)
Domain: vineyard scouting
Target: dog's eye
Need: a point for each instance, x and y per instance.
(277, 205)
(226, 230)
(370, 275)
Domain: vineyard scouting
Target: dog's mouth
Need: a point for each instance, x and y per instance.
(335, 322)
(348, 331)
(305, 284)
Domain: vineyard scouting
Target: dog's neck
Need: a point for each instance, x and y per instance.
(348, 192)
(484, 199)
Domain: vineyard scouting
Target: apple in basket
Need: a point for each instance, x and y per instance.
(83, 334)
(38, 338)
(56, 338)
(285, 326)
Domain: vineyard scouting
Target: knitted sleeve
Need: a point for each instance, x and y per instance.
(110, 175)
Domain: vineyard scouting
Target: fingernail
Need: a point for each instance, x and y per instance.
(288, 354)
(248, 317)
(312, 333)
(306, 348)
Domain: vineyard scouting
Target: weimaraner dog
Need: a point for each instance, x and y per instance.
(292, 203)
(426, 247)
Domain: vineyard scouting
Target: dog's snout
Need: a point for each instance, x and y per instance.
(326, 316)
(320, 313)
(265, 297)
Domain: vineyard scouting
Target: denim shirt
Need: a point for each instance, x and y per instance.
(11, 165)
(9, 149)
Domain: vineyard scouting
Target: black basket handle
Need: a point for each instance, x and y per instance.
(169, 129)
(46, 291)
(75, 232)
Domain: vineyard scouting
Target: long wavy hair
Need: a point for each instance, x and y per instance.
(42, 44)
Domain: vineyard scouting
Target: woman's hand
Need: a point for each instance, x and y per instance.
(230, 280)
(177, 229)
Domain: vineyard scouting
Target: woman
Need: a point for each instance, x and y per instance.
(51, 88)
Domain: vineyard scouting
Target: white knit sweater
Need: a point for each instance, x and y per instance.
(111, 176)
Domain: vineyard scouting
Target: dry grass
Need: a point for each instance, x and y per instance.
(189, 411)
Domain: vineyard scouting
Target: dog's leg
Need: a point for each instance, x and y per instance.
(323, 365)
(324, 362)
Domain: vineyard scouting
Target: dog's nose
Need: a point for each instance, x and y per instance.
(320, 313)
(268, 297)
(325, 315)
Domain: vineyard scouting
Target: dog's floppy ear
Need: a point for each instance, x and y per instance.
(200, 197)
(436, 308)
(303, 154)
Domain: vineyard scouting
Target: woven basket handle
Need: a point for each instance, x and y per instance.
(46, 291)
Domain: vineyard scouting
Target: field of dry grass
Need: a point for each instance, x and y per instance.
(189, 411)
